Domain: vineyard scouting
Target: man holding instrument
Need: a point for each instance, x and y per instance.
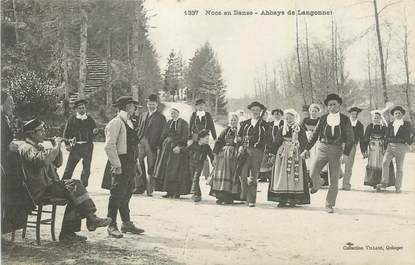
(83, 128)
(40, 167)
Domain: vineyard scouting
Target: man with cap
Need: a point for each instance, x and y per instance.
(253, 133)
(81, 126)
(398, 141)
(333, 130)
(40, 166)
(119, 176)
(358, 132)
(150, 125)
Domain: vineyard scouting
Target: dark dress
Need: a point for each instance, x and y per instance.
(225, 184)
(374, 143)
(16, 202)
(172, 171)
(289, 182)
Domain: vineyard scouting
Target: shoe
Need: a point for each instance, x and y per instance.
(291, 204)
(176, 196)
(329, 209)
(93, 222)
(131, 228)
(398, 191)
(114, 232)
(282, 205)
(166, 196)
(251, 204)
(149, 194)
(219, 201)
(71, 237)
(346, 188)
(380, 187)
(197, 198)
(313, 190)
(228, 202)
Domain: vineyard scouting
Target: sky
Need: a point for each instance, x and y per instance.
(245, 45)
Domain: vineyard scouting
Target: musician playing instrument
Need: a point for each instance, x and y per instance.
(40, 166)
(83, 128)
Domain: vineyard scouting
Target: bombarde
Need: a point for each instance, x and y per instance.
(71, 142)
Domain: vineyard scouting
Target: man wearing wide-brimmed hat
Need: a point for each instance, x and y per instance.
(358, 132)
(254, 135)
(150, 125)
(40, 166)
(333, 131)
(398, 139)
(119, 176)
(81, 126)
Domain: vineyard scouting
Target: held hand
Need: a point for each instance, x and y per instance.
(95, 130)
(13, 147)
(344, 158)
(176, 150)
(365, 155)
(116, 170)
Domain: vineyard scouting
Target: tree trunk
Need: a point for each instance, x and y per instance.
(83, 54)
(298, 59)
(407, 73)
(135, 51)
(16, 19)
(308, 64)
(382, 64)
(369, 79)
(109, 69)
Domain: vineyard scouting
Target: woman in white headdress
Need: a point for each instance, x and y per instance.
(289, 185)
(225, 184)
(374, 146)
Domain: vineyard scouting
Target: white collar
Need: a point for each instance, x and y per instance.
(254, 122)
(200, 113)
(81, 117)
(277, 122)
(333, 120)
(353, 122)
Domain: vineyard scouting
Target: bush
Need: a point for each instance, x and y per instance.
(33, 93)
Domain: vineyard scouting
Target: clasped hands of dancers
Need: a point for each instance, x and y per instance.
(290, 152)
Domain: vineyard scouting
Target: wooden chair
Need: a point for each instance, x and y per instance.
(50, 220)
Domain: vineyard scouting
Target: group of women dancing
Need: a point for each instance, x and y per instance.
(281, 148)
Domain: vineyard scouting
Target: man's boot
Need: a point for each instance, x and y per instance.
(114, 232)
(130, 227)
(93, 222)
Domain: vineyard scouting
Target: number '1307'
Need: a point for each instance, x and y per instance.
(191, 12)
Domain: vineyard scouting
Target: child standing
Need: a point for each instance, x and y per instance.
(198, 151)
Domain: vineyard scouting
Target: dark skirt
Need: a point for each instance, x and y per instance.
(225, 184)
(172, 171)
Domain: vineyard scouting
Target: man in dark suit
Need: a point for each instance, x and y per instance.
(201, 120)
(335, 135)
(150, 125)
(398, 141)
(358, 132)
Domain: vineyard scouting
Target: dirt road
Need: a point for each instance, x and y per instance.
(181, 231)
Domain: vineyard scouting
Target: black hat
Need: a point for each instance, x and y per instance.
(306, 107)
(124, 100)
(32, 125)
(256, 104)
(333, 97)
(278, 111)
(358, 110)
(153, 98)
(200, 101)
(202, 134)
(80, 102)
(398, 108)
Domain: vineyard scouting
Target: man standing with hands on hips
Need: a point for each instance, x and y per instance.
(150, 125)
(83, 128)
(333, 131)
(119, 176)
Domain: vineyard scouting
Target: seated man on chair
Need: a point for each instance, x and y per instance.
(40, 165)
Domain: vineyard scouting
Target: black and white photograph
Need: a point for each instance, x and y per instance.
(207, 132)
